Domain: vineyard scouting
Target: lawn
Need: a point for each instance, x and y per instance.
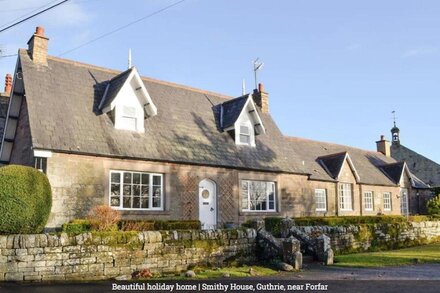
(419, 254)
(234, 272)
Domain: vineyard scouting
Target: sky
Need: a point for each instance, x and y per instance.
(334, 70)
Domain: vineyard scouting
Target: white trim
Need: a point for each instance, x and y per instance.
(267, 210)
(390, 201)
(339, 197)
(372, 201)
(42, 153)
(150, 191)
(325, 200)
(351, 165)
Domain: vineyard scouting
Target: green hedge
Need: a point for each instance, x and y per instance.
(77, 226)
(81, 226)
(273, 224)
(25, 200)
(433, 205)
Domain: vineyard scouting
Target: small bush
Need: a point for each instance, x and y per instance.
(434, 205)
(177, 225)
(273, 224)
(77, 227)
(348, 220)
(136, 225)
(104, 218)
(25, 200)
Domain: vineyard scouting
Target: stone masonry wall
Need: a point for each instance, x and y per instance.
(370, 237)
(105, 255)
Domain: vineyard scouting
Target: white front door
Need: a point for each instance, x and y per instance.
(207, 204)
(404, 201)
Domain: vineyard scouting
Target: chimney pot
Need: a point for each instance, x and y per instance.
(260, 87)
(39, 31)
(382, 137)
(8, 83)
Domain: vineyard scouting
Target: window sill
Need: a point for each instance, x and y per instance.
(258, 213)
(321, 210)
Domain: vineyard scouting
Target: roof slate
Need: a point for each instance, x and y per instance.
(232, 110)
(333, 163)
(63, 99)
(114, 86)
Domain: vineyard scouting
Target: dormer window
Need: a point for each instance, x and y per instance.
(128, 118)
(245, 134)
(240, 118)
(127, 101)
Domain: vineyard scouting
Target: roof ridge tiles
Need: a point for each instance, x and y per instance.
(145, 78)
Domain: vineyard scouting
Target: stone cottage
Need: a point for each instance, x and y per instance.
(159, 150)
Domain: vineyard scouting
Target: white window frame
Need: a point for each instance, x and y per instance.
(150, 191)
(248, 134)
(125, 117)
(345, 196)
(404, 201)
(40, 163)
(387, 201)
(268, 183)
(369, 200)
(319, 192)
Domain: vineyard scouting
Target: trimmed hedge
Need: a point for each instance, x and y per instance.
(273, 224)
(77, 227)
(25, 200)
(81, 226)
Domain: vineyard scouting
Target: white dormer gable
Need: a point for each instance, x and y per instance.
(248, 123)
(128, 100)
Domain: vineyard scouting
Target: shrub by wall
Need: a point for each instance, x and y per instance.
(25, 200)
(434, 205)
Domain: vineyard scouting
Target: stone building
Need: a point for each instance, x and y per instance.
(159, 150)
(4, 101)
(424, 168)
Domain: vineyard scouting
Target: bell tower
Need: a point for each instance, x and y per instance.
(395, 131)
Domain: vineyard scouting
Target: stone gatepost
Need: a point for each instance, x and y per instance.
(298, 260)
(322, 245)
(329, 257)
(291, 246)
(286, 225)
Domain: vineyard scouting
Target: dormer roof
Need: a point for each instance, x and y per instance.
(232, 110)
(128, 78)
(396, 171)
(333, 164)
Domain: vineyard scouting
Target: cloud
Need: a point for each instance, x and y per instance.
(420, 51)
(67, 14)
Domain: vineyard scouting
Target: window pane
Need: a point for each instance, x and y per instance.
(244, 195)
(244, 130)
(145, 178)
(127, 202)
(127, 177)
(115, 201)
(136, 190)
(245, 139)
(136, 178)
(144, 202)
(128, 123)
(157, 180)
(115, 189)
(126, 189)
(145, 191)
(136, 202)
(115, 177)
(156, 191)
(129, 111)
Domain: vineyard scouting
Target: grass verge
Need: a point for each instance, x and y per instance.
(418, 254)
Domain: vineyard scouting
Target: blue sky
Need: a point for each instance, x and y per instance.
(334, 69)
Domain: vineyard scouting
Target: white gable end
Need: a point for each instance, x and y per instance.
(132, 104)
(248, 124)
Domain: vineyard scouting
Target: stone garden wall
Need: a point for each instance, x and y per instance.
(105, 255)
(371, 237)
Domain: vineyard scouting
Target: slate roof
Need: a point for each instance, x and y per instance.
(63, 101)
(113, 87)
(425, 169)
(394, 171)
(333, 163)
(232, 110)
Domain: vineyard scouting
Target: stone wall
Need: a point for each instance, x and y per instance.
(105, 255)
(371, 237)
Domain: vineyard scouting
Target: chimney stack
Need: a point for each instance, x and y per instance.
(261, 98)
(8, 84)
(384, 146)
(37, 46)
